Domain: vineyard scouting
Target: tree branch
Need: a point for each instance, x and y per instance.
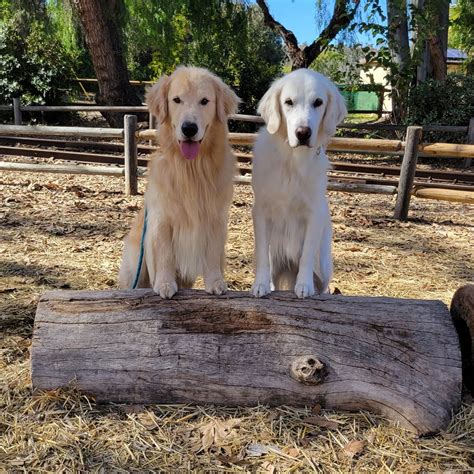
(341, 18)
(288, 36)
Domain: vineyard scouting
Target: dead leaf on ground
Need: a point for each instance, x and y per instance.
(267, 467)
(291, 451)
(147, 419)
(353, 448)
(218, 434)
(320, 421)
(52, 186)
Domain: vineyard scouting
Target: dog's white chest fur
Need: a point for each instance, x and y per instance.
(288, 184)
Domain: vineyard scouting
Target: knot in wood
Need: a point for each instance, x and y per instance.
(308, 370)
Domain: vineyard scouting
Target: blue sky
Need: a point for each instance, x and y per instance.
(296, 15)
(299, 16)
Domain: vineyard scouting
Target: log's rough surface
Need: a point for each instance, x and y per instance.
(393, 356)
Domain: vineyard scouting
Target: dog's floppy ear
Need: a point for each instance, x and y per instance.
(157, 98)
(334, 114)
(227, 101)
(269, 107)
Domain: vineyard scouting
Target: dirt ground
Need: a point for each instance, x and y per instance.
(65, 232)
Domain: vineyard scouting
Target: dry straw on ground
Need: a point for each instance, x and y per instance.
(65, 232)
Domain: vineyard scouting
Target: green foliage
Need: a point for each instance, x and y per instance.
(461, 31)
(442, 103)
(154, 34)
(225, 36)
(342, 65)
(32, 64)
(65, 26)
(236, 45)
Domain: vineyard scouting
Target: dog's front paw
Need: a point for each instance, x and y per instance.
(260, 289)
(304, 289)
(216, 287)
(166, 289)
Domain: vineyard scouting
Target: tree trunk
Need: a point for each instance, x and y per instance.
(438, 42)
(397, 357)
(434, 49)
(102, 35)
(400, 50)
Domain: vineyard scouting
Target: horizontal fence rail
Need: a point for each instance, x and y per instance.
(235, 117)
(84, 108)
(420, 192)
(129, 147)
(366, 145)
(62, 169)
(44, 130)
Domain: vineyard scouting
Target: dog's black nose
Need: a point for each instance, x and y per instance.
(303, 134)
(189, 129)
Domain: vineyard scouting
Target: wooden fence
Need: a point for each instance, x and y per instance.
(411, 149)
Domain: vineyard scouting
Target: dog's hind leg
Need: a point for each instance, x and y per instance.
(130, 257)
(129, 267)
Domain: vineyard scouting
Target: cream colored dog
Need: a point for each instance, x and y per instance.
(189, 187)
(292, 223)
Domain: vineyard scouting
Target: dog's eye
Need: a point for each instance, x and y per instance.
(177, 100)
(289, 102)
(318, 102)
(204, 101)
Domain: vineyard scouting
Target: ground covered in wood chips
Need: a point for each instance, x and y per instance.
(66, 231)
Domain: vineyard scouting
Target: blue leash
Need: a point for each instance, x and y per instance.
(142, 251)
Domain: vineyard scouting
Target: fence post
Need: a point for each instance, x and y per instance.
(17, 119)
(470, 141)
(130, 151)
(407, 172)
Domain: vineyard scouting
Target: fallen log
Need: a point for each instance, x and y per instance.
(397, 357)
(462, 311)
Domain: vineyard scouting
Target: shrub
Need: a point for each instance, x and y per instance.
(33, 65)
(442, 103)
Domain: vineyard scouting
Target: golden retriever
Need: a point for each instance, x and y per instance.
(292, 222)
(189, 191)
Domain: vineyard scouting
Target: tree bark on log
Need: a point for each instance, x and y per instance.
(397, 357)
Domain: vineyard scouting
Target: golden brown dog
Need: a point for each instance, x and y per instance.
(189, 187)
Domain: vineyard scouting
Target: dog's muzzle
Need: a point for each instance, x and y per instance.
(303, 134)
(189, 129)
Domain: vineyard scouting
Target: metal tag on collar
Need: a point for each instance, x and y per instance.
(318, 151)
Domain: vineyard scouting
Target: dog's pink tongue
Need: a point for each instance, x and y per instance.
(189, 149)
